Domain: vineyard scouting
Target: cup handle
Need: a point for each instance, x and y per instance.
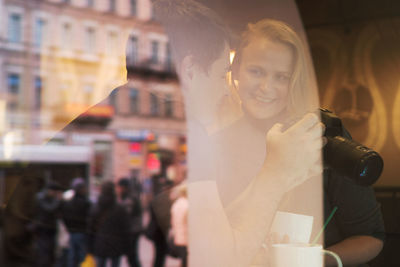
(337, 258)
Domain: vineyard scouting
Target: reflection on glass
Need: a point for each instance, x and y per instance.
(70, 109)
(92, 109)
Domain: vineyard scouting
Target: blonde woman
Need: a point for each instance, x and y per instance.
(274, 80)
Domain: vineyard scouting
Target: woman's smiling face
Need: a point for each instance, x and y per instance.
(264, 77)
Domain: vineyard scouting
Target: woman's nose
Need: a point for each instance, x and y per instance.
(266, 84)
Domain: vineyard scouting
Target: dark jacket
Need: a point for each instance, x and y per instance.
(47, 213)
(133, 207)
(109, 228)
(75, 214)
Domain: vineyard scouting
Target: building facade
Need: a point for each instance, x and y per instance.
(58, 58)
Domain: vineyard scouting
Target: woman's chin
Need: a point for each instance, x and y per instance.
(261, 114)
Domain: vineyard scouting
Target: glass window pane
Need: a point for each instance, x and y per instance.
(133, 8)
(154, 52)
(13, 83)
(14, 28)
(112, 5)
(153, 105)
(169, 108)
(90, 43)
(132, 51)
(134, 100)
(113, 100)
(39, 32)
(168, 58)
(38, 92)
(66, 35)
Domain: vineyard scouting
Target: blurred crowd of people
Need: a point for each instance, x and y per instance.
(70, 230)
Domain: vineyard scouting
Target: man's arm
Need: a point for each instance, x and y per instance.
(215, 239)
(355, 250)
(232, 236)
(358, 219)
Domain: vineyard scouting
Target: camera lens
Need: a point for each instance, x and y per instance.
(364, 172)
(370, 167)
(353, 160)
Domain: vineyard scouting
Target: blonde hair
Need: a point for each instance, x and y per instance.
(303, 95)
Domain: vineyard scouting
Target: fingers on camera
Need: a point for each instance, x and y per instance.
(309, 121)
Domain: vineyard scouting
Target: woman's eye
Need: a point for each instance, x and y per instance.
(255, 71)
(282, 77)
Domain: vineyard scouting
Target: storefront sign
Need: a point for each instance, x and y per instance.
(135, 162)
(135, 148)
(153, 162)
(133, 135)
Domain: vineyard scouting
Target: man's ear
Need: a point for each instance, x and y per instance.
(187, 71)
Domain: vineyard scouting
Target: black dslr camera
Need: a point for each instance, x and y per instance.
(353, 160)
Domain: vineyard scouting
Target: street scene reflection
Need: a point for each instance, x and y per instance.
(196, 133)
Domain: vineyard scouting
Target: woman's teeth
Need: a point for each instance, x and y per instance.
(264, 99)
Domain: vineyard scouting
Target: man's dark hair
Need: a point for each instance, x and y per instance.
(193, 29)
(124, 182)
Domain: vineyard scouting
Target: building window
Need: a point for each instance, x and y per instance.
(87, 94)
(38, 92)
(134, 100)
(90, 3)
(112, 43)
(168, 58)
(152, 13)
(64, 92)
(133, 8)
(132, 51)
(40, 31)
(169, 108)
(14, 28)
(14, 83)
(112, 5)
(66, 1)
(154, 52)
(66, 36)
(90, 40)
(102, 166)
(153, 105)
(113, 101)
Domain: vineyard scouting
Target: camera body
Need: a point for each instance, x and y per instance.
(347, 157)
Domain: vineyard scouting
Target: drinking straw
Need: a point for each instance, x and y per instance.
(323, 227)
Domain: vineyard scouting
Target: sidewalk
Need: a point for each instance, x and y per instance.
(146, 252)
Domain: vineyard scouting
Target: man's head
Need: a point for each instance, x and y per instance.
(193, 30)
(123, 186)
(53, 189)
(79, 186)
(200, 44)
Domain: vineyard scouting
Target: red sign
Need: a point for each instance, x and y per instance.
(153, 162)
(135, 147)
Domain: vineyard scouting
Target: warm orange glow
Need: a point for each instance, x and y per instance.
(100, 111)
(232, 55)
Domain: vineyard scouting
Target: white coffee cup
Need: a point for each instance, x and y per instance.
(299, 255)
(297, 227)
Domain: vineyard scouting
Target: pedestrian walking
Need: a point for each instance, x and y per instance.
(109, 228)
(130, 200)
(75, 214)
